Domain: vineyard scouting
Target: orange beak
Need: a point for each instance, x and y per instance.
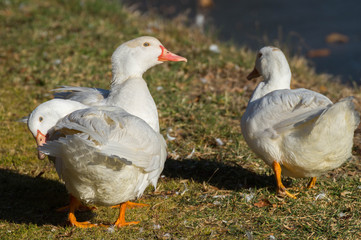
(169, 56)
(40, 140)
(253, 74)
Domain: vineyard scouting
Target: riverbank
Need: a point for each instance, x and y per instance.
(305, 29)
(212, 186)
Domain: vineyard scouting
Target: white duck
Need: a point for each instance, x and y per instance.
(130, 92)
(105, 155)
(128, 89)
(46, 115)
(299, 131)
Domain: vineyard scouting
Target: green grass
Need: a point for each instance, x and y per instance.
(211, 194)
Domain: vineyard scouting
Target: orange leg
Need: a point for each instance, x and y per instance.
(312, 183)
(75, 204)
(281, 189)
(123, 206)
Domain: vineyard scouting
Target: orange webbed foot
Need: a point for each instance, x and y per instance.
(82, 224)
(124, 223)
(123, 206)
(76, 204)
(281, 189)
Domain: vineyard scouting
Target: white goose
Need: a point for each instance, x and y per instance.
(46, 115)
(128, 89)
(105, 155)
(109, 155)
(299, 131)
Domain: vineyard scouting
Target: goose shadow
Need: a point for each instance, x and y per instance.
(227, 176)
(26, 199)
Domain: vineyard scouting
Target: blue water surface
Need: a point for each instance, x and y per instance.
(301, 25)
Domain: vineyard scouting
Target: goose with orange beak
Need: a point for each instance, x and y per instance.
(109, 152)
(298, 132)
(129, 62)
(46, 115)
(105, 155)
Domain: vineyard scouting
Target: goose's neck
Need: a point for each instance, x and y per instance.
(122, 73)
(133, 96)
(275, 81)
(129, 87)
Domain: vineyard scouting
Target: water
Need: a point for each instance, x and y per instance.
(301, 25)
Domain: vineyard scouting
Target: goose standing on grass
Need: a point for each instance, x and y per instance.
(105, 155)
(300, 132)
(108, 154)
(128, 88)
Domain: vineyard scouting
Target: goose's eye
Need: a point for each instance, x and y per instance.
(41, 119)
(146, 44)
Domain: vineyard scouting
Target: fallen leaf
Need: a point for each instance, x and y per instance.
(205, 3)
(262, 203)
(344, 193)
(336, 38)
(322, 52)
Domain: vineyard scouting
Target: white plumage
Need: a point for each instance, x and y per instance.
(128, 90)
(301, 130)
(110, 150)
(110, 158)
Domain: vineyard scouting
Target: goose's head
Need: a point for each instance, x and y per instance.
(133, 58)
(46, 115)
(271, 63)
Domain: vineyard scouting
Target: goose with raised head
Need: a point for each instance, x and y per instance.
(128, 88)
(109, 153)
(299, 132)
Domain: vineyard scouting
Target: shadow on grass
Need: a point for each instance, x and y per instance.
(26, 199)
(228, 176)
(34, 200)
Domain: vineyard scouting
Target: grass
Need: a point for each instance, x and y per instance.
(218, 192)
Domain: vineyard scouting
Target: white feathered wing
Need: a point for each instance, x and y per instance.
(106, 156)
